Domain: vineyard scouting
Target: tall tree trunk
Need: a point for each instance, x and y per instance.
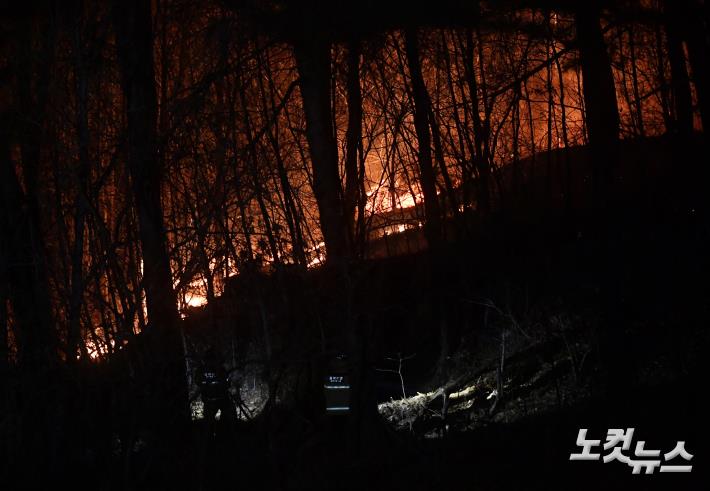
(4, 319)
(635, 82)
(698, 54)
(529, 193)
(517, 177)
(661, 80)
(4, 264)
(566, 182)
(601, 110)
(134, 38)
(550, 118)
(353, 144)
(441, 162)
(313, 61)
(80, 201)
(421, 123)
(33, 330)
(680, 81)
(27, 271)
(465, 142)
(480, 130)
(602, 119)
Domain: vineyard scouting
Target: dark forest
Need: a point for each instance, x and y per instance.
(323, 245)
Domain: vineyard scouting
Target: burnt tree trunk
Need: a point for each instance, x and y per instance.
(32, 323)
(81, 206)
(4, 319)
(26, 268)
(697, 24)
(602, 120)
(134, 37)
(353, 144)
(602, 113)
(680, 81)
(432, 211)
(601, 110)
(481, 159)
(313, 61)
(24, 273)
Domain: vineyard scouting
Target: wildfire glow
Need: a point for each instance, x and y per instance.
(382, 202)
(196, 300)
(97, 350)
(319, 258)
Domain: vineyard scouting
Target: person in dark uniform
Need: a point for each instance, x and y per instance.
(214, 388)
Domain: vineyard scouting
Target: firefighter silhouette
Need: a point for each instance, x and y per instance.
(214, 388)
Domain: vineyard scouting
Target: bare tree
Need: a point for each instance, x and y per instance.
(313, 60)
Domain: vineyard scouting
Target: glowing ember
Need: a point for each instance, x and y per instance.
(196, 300)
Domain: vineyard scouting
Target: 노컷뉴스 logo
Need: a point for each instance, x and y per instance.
(619, 441)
